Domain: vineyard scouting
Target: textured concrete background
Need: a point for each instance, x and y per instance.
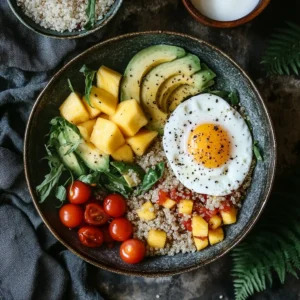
(282, 96)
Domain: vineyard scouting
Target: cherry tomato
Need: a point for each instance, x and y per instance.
(132, 251)
(71, 215)
(188, 224)
(226, 205)
(120, 229)
(115, 205)
(90, 236)
(205, 212)
(79, 192)
(162, 197)
(95, 215)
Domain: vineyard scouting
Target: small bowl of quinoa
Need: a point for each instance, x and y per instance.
(65, 19)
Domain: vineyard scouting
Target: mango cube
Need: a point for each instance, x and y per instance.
(109, 80)
(199, 226)
(169, 203)
(185, 207)
(141, 141)
(146, 212)
(229, 215)
(104, 116)
(93, 112)
(74, 110)
(103, 101)
(215, 222)
(216, 235)
(129, 117)
(156, 238)
(86, 129)
(200, 243)
(106, 136)
(124, 153)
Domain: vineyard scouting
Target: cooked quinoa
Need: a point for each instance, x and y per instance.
(62, 15)
(169, 220)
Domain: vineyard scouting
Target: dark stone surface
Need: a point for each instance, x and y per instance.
(245, 45)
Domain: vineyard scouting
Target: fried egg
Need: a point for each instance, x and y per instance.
(208, 145)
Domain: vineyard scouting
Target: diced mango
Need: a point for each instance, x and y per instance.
(156, 238)
(141, 141)
(74, 110)
(215, 222)
(103, 101)
(106, 136)
(124, 153)
(109, 80)
(104, 116)
(146, 212)
(129, 117)
(229, 215)
(86, 129)
(216, 235)
(169, 203)
(199, 226)
(185, 207)
(200, 243)
(93, 112)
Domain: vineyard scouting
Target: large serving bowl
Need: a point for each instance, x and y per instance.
(116, 53)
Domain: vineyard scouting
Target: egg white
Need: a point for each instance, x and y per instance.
(202, 109)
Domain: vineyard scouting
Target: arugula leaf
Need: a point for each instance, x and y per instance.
(222, 94)
(124, 168)
(91, 14)
(233, 98)
(71, 86)
(151, 177)
(117, 184)
(89, 77)
(73, 147)
(92, 178)
(249, 124)
(257, 152)
(61, 193)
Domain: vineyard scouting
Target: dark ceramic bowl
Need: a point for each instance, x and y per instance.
(28, 22)
(116, 53)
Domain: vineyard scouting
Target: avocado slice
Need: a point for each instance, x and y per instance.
(200, 80)
(141, 64)
(186, 66)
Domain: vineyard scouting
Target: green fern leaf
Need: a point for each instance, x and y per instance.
(282, 55)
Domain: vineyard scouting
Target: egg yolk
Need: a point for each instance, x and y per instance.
(209, 144)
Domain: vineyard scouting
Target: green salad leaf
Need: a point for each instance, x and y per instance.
(116, 184)
(71, 86)
(61, 193)
(89, 78)
(91, 14)
(124, 168)
(233, 98)
(92, 178)
(257, 152)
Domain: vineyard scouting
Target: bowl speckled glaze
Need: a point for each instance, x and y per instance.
(116, 53)
(28, 22)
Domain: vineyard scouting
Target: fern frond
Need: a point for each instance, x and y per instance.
(273, 247)
(282, 55)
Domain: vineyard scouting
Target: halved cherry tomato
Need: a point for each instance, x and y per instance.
(120, 229)
(95, 215)
(79, 192)
(115, 205)
(162, 197)
(188, 224)
(90, 236)
(132, 251)
(205, 212)
(71, 215)
(226, 205)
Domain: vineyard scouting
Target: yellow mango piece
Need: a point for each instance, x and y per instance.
(215, 222)
(124, 153)
(169, 203)
(156, 238)
(146, 212)
(86, 129)
(93, 112)
(141, 141)
(129, 117)
(104, 116)
(229, 216)
(106, 136)
(73, 110)
(215, 235)
(199, 226)
(185, 207)
(200, 243)
(103, 101)
(109, 80)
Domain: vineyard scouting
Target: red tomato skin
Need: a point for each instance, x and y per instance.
(120, 229)
(162, 197)
(132, 251)
(79, 192)
(115, 205)
(188, 225)
(71, 215)
(94, 214)
(90, 236)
